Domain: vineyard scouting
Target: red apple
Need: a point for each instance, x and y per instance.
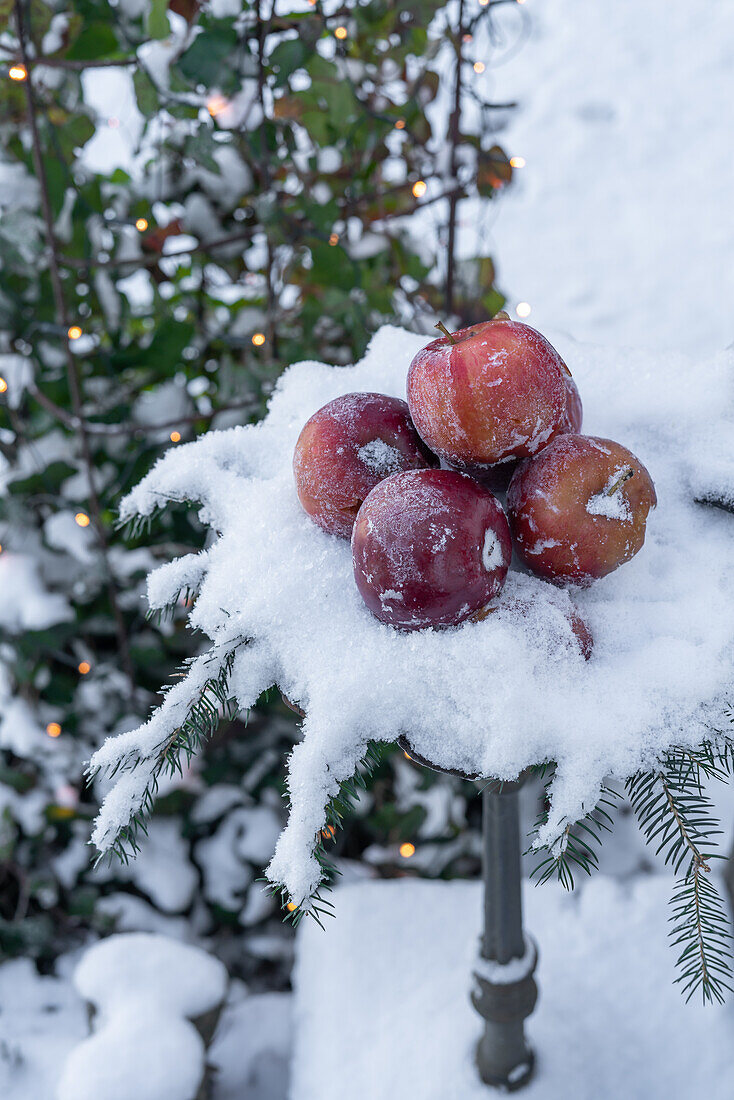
(582, 633)
(574, 414)
(490, 392)
(346, 448)
(578, 510)
(430, 547)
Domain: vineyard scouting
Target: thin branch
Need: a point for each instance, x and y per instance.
(72, 371)
(454, 140)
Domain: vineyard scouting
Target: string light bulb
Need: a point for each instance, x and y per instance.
(83, 668)
(175, 437)
(291, 907)
(400, 124)
(74, 332)
(258, 339)
(53, 729)
(483, 3)
(82, 519)
(517, 162)
(340, 33)
(407, 850)
(216, 103)
(141, 225)
(479, 66)
(3, 385)
(522, 309)
(17, 72)
(419, 188)
(334, 239)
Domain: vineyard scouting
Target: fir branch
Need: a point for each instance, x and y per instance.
(339, 807)
(677, 815)
(576, 847)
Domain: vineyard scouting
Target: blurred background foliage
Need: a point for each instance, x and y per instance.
(286, 160)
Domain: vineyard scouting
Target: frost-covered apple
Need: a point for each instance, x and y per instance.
(488, 393)
(582, 635)
(573, 416)
(430, 547)
(579, 509)
(346, 448)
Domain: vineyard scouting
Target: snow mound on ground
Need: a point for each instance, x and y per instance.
(175, 977)
(277, 595)
(140, 1053)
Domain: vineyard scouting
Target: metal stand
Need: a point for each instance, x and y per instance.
(506, 991)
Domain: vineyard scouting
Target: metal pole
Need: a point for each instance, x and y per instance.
(505, 992)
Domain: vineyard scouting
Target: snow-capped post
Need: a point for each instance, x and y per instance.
(506, 990)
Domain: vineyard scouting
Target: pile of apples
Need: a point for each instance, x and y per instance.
(490, 408)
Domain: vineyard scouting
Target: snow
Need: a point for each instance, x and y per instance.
(27, 604)
(610, 505)
(608, 1023)
(176, 978)
(380, 457)
(140, 1054)
(251, 1050)
(618, 228)
(277, 594)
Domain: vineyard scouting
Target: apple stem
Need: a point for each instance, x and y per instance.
(442, 328)
(501, 315)
(626, 474)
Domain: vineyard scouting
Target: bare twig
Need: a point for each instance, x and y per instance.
(454, 140)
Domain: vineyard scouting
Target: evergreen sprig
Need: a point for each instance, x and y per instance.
(577, 847)
(338, 808)
(212, 705)
(676, 814)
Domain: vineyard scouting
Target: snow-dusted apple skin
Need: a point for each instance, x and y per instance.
(346, 448)
(582, 634)
(496, 392)
(573, 416)
(566, 528)
(498, 477)
(429, 547)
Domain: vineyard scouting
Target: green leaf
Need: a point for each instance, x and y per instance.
(96, 41)
(205, 58)
(157, 22)
(287, 57)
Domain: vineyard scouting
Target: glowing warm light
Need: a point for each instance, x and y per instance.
(258, 339)
(329, 832)
(400, 124)
(215, 104)
(407, 850)
(522, 309)
(517, 162)
(291, 907)
(334, 238)
(407, 755)
(340, 33)
(419, 188)
(521, 1)
(467, 38)
(84, 667)
(479, 66)
(74, 332)
(3, 385)
(1, 548)
(141, 225)
(82, 519)
(175, 437)
(17, 72)
(483, 3)
(53, 729)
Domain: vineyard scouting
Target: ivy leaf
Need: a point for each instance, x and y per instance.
(97, 40)
(204, 61)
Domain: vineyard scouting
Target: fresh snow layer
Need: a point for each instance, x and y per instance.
(609, 1022)
(174, 977)
(141, 1054)
(491, 697)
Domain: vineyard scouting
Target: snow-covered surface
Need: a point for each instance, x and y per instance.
(141, 1053)
(618, 227)
(131, 967)
(609, 1023)
(26, 602)
(251, 1049)
(489, 697)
